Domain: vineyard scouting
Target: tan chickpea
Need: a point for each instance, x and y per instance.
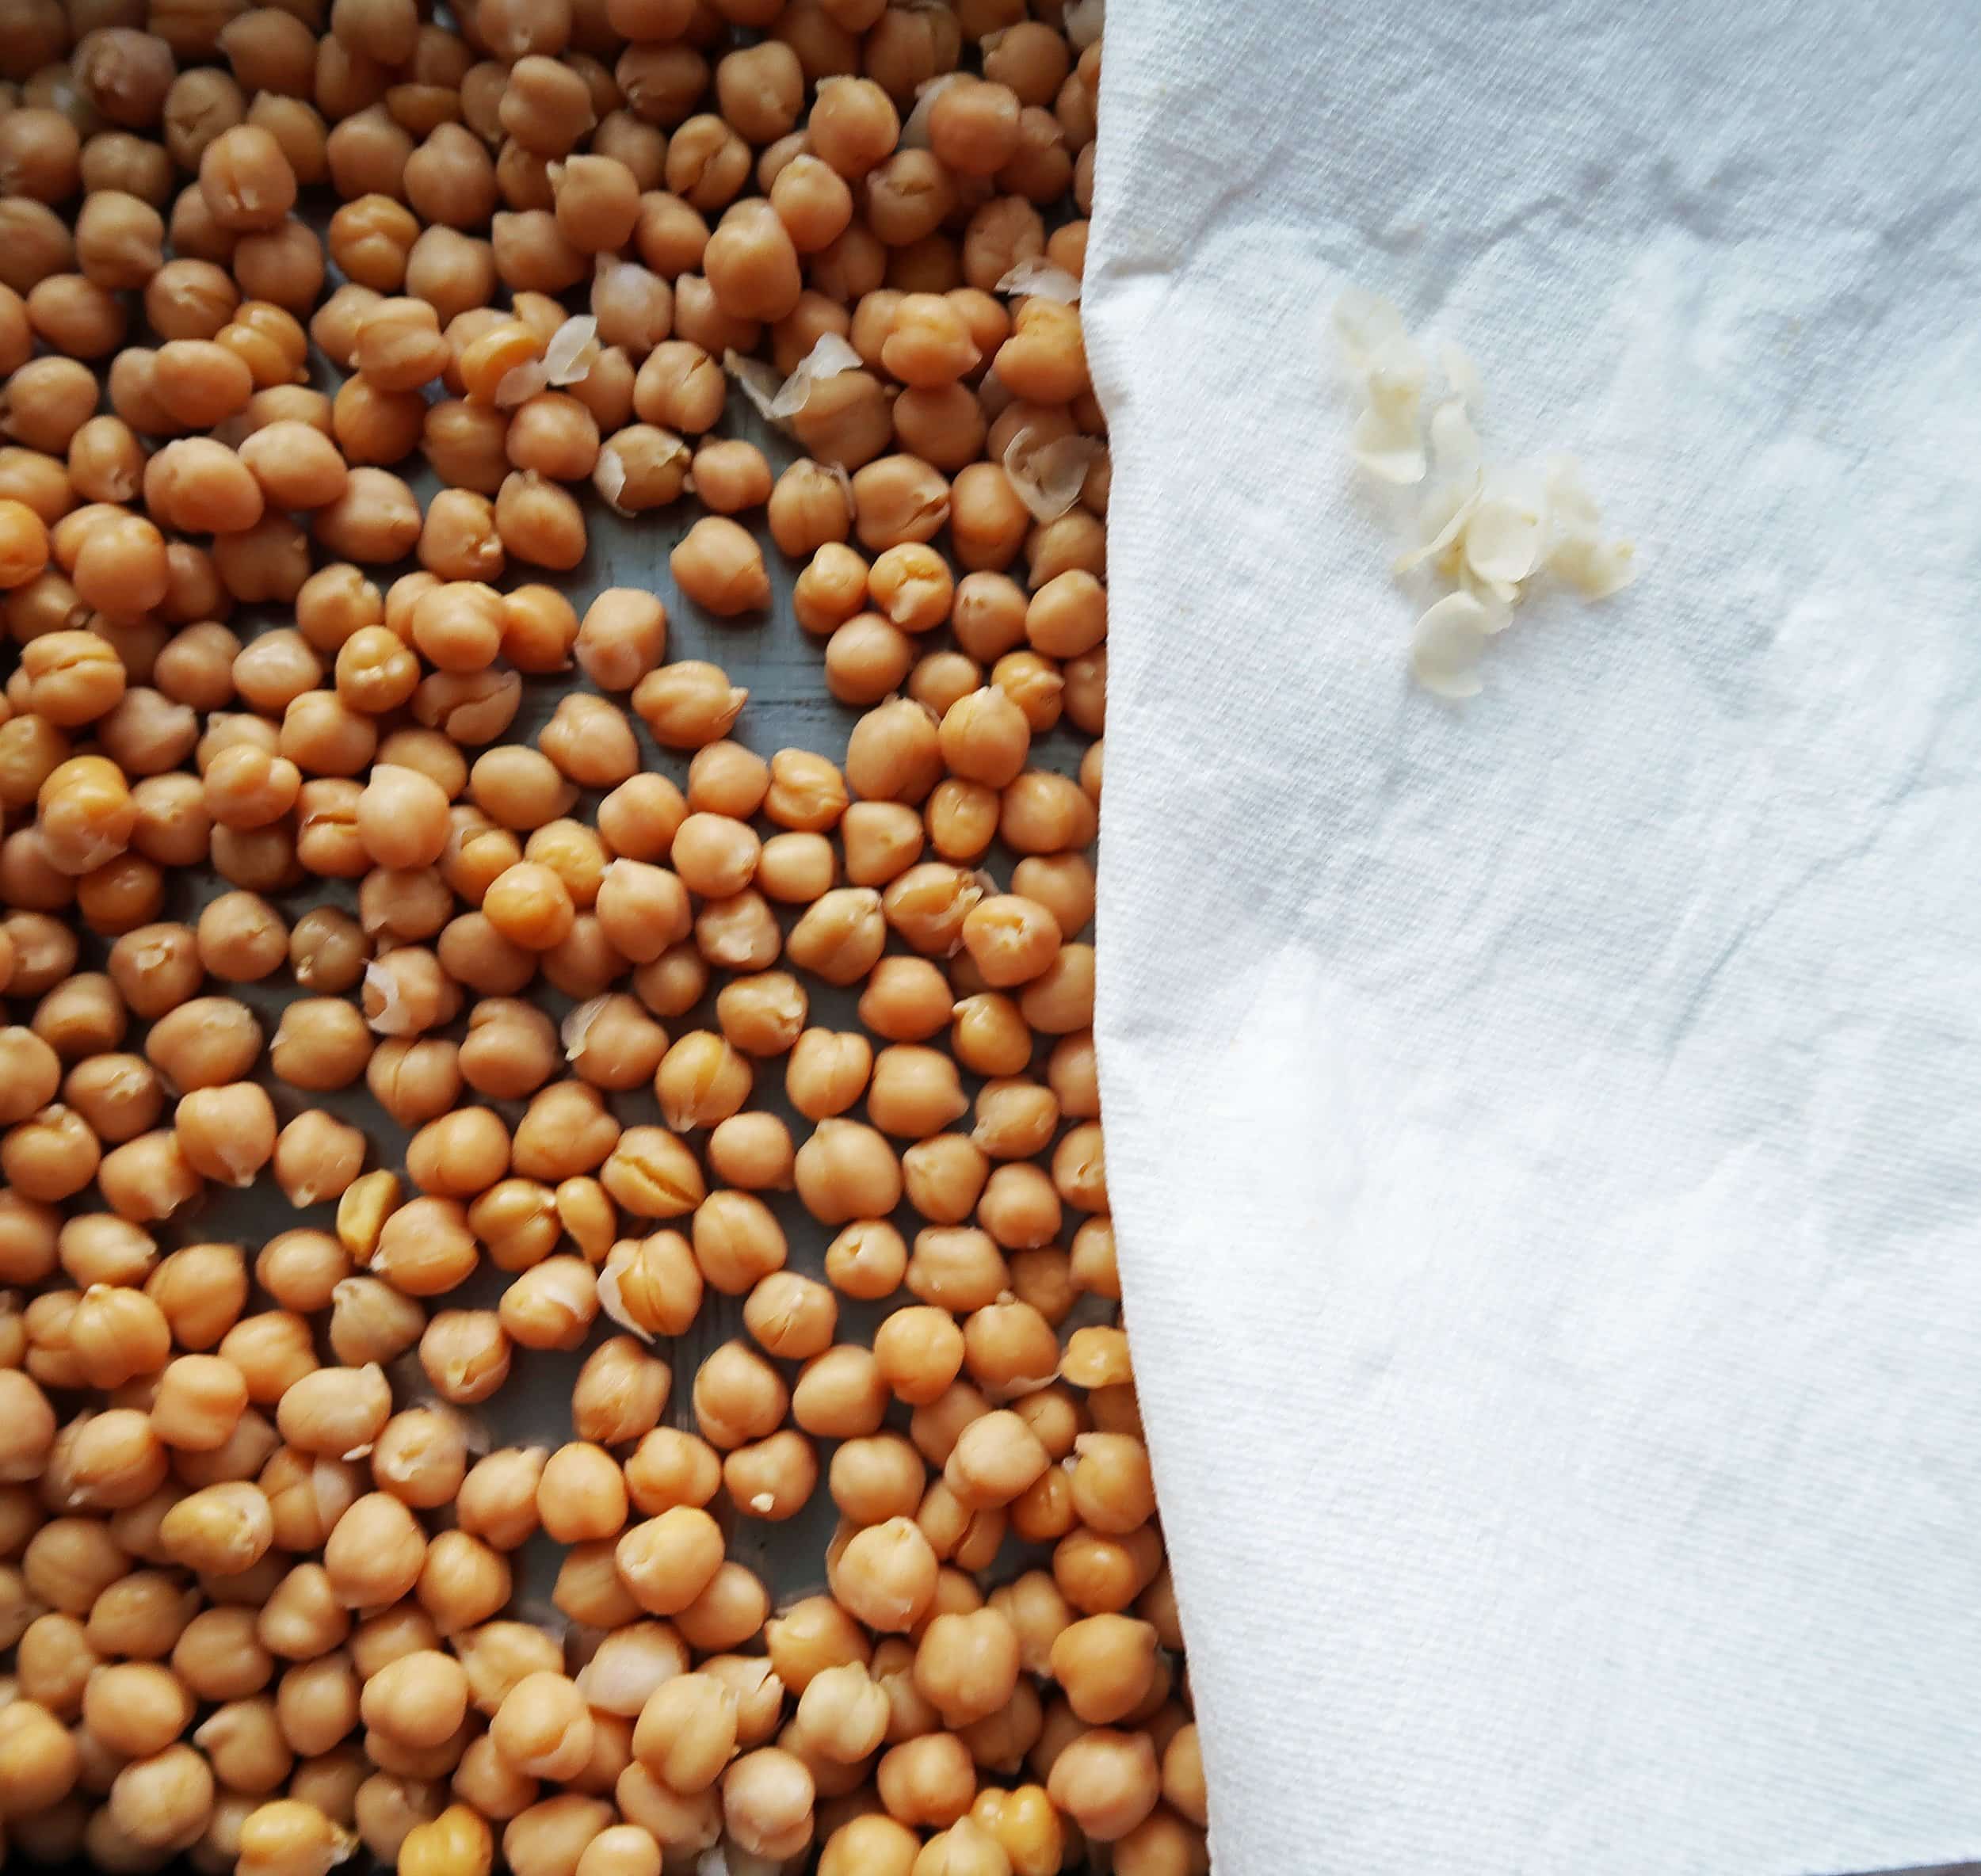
(222, 1529)
(227, 1133)
(552, 1305)
(720, 566)
(307, 1496)
(317, 1157)
(1107, 1782)
(867, 658)
(333, 1411)
(543, 1726)
(581, 1496)
(375, 1552)
(928, 1780)
(887, 1575)
(875, 1477)
(846, 1171)
(670, 1467)
(485, 1781)
(50, 1156)
(417, 1700)
(414, 1078)
(841, 1394)
(872, 1844)
(141, 1616)
(738, 1396)
(920, 1353)
(199, 1402)
(70, 1562)
(688, 704)
(767, 1798)
(421, 1456)
(619, 1397)
(790, 1316)
(772, 1478)
(1104, 1664)
(32, 1073)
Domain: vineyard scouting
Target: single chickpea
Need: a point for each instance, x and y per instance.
(929, 1780)
(847, 1171)
(877, 1477)
(543, 1726)
(920, 1352)
(670, 1467)
(772, 1478)
(688, 704)
(1106, 1781)
(720, 566)
(199, 1402)
(737, 1397)
(457, 1843)
(419, 1699)
(375, 1552)
(623, 637)
(619, 1397)
(887, 1575)
(867, 658)
(871, 1844)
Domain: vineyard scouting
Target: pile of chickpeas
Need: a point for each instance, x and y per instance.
(363, 876)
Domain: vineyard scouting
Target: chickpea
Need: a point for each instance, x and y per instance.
(222, 1529)
(38, 1758)
(419, 1699)
(767, 1798)
(543, 1726)
(920, 1352)
(720, 566)
(927, 1780)
(873, 1844)
(846, 1171)
(772, 1478)
(375, 1552)
(876, 1476)
(619, 1397)
(887, 1575)
(199, 1402)
(306, 1496)
(135, 1708)
(1107, 1782)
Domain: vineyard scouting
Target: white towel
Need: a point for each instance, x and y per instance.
(1545, 1133)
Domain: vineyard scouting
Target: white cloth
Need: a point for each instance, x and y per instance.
(1545, 1134)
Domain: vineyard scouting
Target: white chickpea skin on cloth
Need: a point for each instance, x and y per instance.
(454, 965)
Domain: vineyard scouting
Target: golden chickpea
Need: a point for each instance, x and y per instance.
(375, 1552)
(928, 1780)
(871, 1845)
(222, 1529)
(306, 1496)
(1107, 1782)
(581, 1496)
(552, 1305)
(720, 566)
(688, 704)
(846, 1171)
(543, 1726)
(920, 1352)
(419, 1699)
(458, 1842)
(887, 1575)
(141, 1616)
(200, 1401)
